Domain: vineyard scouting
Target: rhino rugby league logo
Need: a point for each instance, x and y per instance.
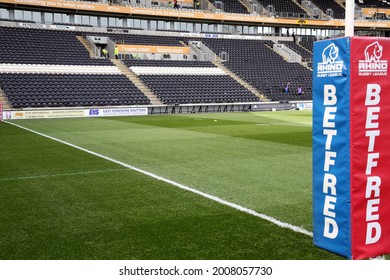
(330, 65)
(372, 65)
(330, 53)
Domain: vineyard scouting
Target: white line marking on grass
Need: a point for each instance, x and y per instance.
(181, 186)
(292, 124)
(284, 124)
(61, 174)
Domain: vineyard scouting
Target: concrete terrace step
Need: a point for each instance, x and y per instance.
(240, 81)
(137, 82)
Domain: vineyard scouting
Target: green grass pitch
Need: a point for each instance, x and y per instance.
(58, 202)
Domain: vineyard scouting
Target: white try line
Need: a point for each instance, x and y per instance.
(181, 186)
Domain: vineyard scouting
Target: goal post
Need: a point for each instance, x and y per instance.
(351, 113)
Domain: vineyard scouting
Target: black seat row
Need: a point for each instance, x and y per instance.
(33, 90)
(186, 89)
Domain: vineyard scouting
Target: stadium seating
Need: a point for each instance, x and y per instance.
(373, 3)
(324, 5)
(184, 82)
(49, 68)
(189, 89)
(258, 64)
(61, 90)
(285, 8)
(43, 46)
(307, 42)
(243, 60)
(306, 55)
(48, 56)
(233, 6)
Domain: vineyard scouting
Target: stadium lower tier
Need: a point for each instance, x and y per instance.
(69, 90)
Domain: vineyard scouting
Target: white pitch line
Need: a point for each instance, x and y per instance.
(293, 124)
(181, 186)
(61, 174)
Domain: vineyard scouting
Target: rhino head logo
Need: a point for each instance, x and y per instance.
(373, 52)
(330, 53)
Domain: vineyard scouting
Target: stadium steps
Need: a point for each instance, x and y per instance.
(210, 6)
(85, 44)
(303, 47)
(154, 100)
(341, 3)
(302, 7)
(303, 63)
(239, 80)
(284, 58)
(246, 6)
(4, 100)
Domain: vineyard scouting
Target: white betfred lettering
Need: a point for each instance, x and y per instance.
(373, 233)
(329, 184)
(331, 229)
(372, 115)
(372, 195)
(330, 97)
(329, 160)
(329, 136)
(330, 203)
(371, 162)
(372, 186)
(329, 116)
(371, 134)
(372, 94)
(372, 207)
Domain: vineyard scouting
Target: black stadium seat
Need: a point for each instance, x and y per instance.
(252, 60)
(61, 48)
(180, 88)
(31, 90)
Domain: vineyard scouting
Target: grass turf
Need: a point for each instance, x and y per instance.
(61, 203)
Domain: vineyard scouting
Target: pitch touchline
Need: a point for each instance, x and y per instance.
(181, 186)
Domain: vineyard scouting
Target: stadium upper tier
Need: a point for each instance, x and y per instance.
(233, 6)
(287, 8)
(151, 14)
(330, 8)
(258, 64)
(373, 3)
(51, 68)
(220, 10)
(42, 46)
